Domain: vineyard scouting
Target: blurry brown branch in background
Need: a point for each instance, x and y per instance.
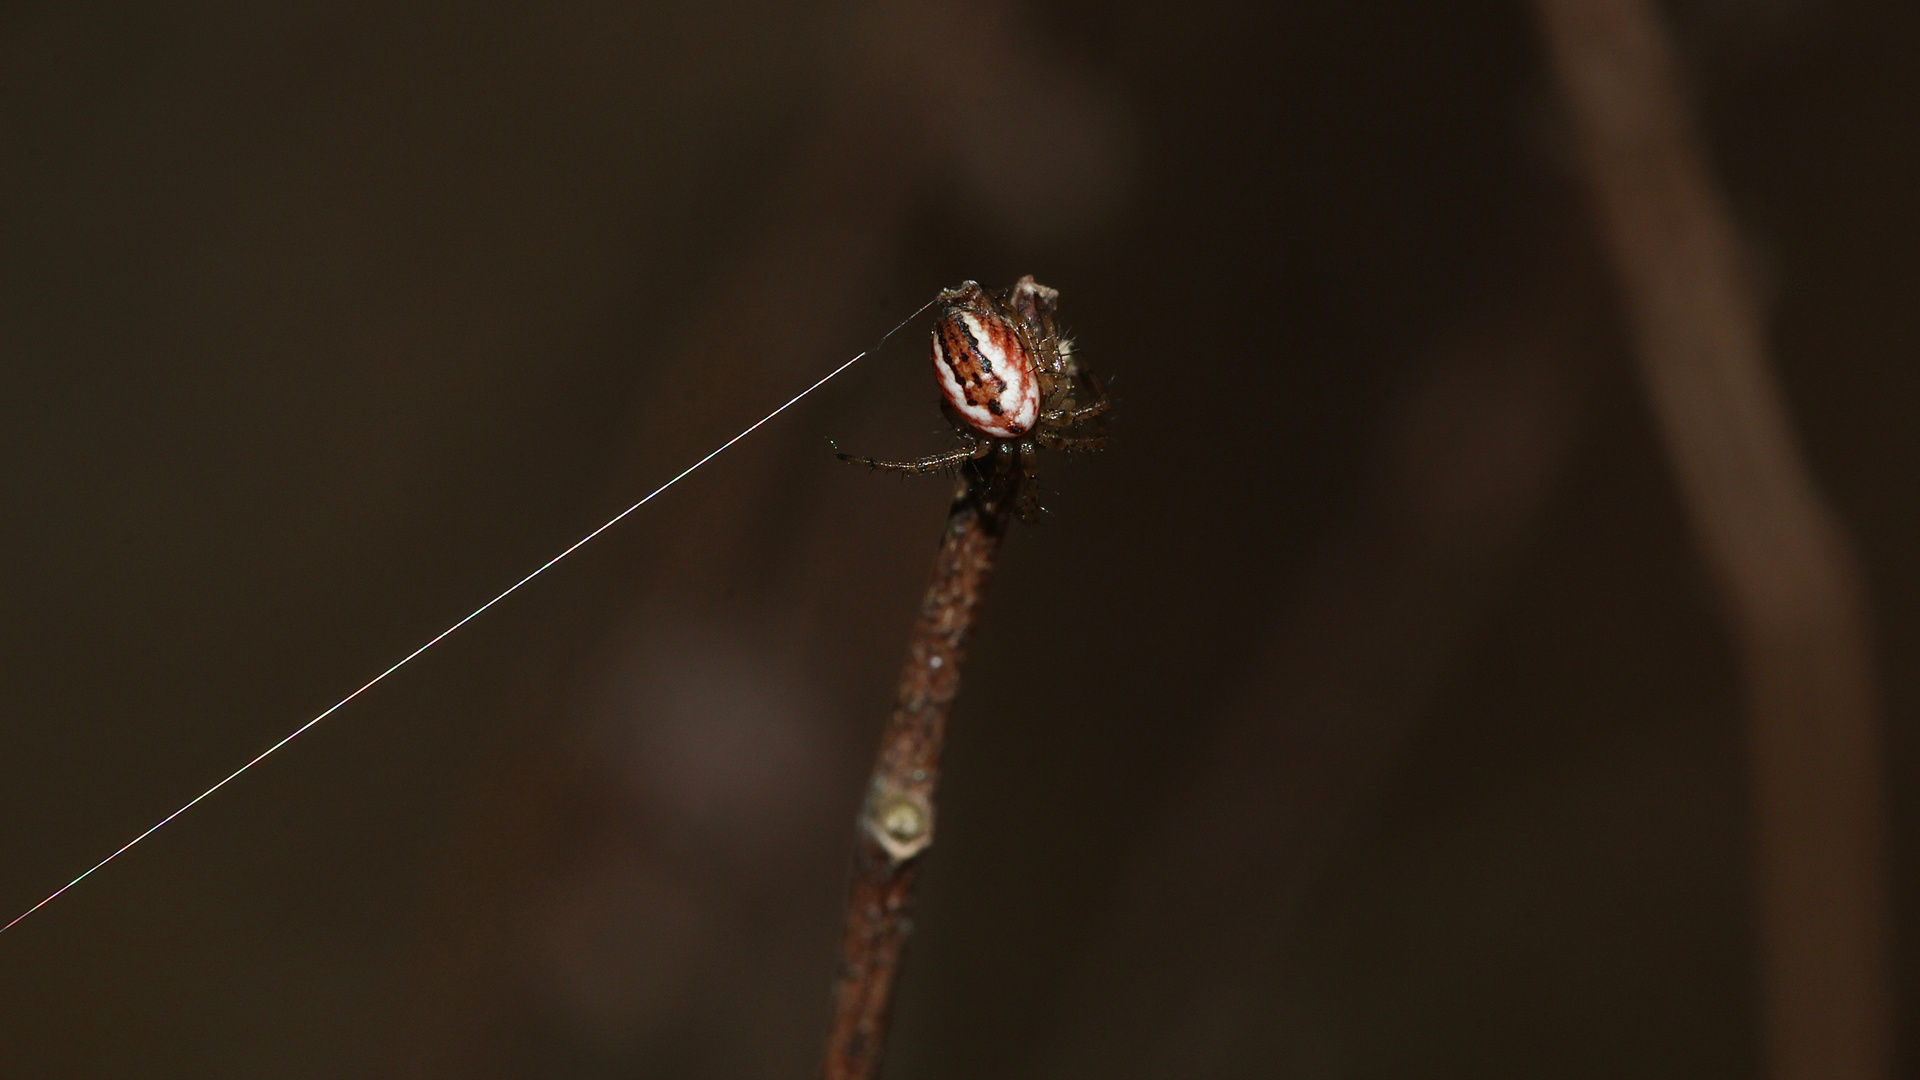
(896, 821)
(1780, 558)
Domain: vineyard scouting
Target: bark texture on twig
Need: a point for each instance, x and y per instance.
(896, 822)
(1779, 556)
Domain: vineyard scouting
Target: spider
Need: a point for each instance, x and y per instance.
(1010, 384)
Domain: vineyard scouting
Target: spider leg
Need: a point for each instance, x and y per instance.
(930, 463)
(1071, 442)
(1074, 416)
(1033, 300)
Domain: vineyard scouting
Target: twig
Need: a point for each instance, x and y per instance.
(896, 823)
(1780, 558)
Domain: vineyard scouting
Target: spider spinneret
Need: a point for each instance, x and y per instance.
(1010, 383)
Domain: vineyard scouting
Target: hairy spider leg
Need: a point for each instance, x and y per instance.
(1074, 442)
(1074, 416)
(928, 464)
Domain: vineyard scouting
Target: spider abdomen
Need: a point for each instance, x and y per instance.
(986, 372)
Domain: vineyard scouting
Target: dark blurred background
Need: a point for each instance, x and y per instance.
(1366, 711)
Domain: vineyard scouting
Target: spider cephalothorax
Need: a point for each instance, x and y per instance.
(1011, 384)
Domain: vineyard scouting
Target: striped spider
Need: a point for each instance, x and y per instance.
(1010, 384)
